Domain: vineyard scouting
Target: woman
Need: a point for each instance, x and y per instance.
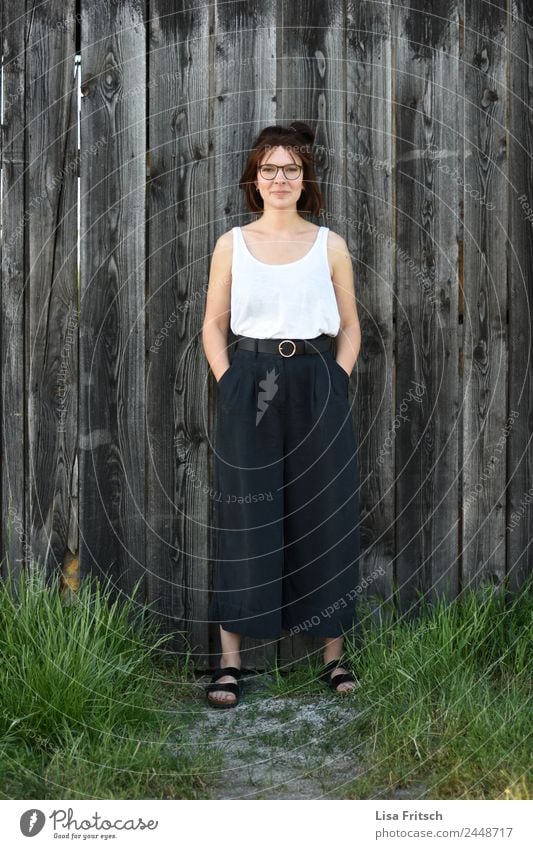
(285, 448)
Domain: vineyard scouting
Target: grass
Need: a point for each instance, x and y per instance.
(90, 707)
(444, 704)
(446, 700)
(81, 699)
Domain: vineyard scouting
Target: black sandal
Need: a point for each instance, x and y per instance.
(236, 689)
(333, 681)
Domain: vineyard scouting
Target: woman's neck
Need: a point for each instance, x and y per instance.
(280, 221)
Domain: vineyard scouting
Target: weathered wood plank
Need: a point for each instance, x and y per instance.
(15, 542)
(427, 202)
(244, 100)
(178, 517)
(369, 218)
(112, 396)
(311, 87)
(520, 470)
(485, 275)
(52, 290)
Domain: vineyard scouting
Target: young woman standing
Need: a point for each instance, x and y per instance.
(287, 479)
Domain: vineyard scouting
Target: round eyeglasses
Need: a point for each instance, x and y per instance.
(290, 172)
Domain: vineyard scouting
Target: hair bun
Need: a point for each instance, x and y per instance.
(304, 131)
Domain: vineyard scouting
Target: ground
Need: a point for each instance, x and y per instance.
(290, 746)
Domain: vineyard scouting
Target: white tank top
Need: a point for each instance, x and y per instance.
(294, 300)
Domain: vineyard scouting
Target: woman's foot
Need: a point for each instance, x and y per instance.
(333, 654)
(223, 695)
(335, 670)
(346, 685)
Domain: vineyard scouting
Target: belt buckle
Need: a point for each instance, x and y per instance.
(291, 341)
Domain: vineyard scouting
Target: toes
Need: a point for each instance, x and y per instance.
(221, 695)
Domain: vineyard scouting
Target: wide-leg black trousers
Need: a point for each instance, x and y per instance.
(286, 497)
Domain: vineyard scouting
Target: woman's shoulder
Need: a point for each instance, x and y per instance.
(224, 242)
(336, 241)
(223, 252)
(337, 250)
(226, 238)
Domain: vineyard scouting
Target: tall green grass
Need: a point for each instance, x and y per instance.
(446, 700)
(443, 710)
(79, 709)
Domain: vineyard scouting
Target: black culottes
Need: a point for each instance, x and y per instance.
(286, 497)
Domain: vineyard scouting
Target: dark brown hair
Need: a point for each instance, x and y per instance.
(297, 137)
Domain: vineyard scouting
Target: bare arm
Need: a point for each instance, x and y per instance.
(217, 309)
(349, 336)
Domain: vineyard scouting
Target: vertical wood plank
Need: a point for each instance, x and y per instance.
(178, 495)
(370, 217)
(112, 396)
(311, 87)
(427, 200)
(51, 291)
(13, 268)
(485, 275)
(244, 100)
(520, 412)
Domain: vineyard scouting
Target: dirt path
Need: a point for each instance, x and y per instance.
(283, 747)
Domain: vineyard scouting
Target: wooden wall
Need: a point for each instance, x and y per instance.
(424, 129)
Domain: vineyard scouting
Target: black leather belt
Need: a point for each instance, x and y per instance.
(286, 347)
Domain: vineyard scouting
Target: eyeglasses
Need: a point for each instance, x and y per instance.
(290, 172)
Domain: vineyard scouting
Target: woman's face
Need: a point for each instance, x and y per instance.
(281, 192)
